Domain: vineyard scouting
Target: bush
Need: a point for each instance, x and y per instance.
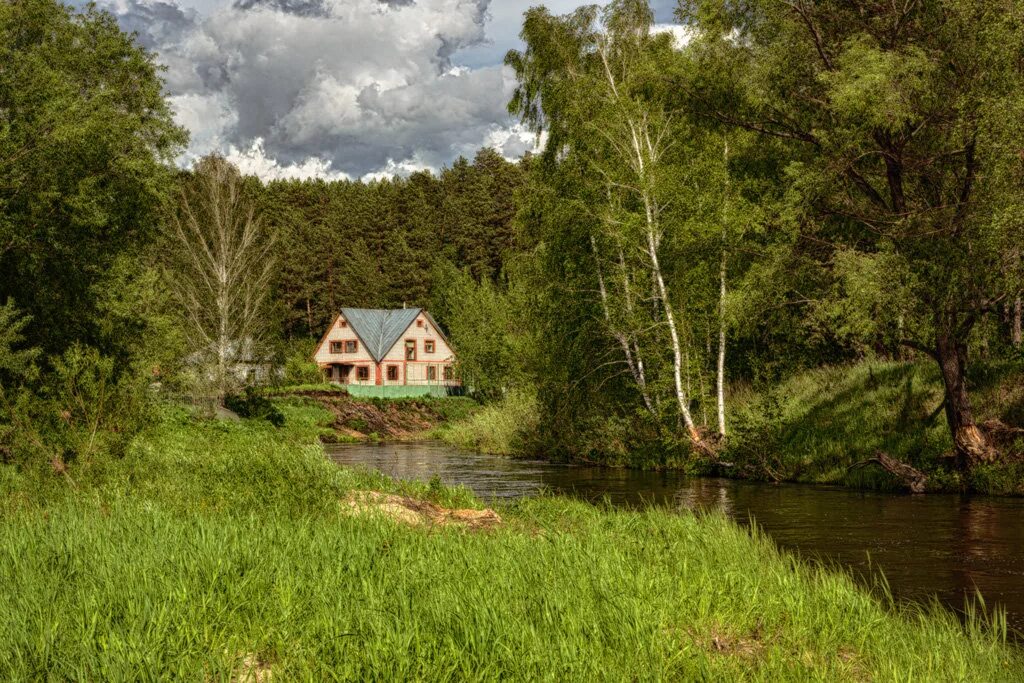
(299, 369)
(254, 406)
(82, 410)
(501, 428)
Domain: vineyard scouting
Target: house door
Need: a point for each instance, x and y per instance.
(344, 373)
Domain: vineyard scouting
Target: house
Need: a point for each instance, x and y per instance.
(247, 361)
(368, 347)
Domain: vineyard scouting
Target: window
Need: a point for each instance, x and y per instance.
(351, 346)
(335, 347)
(410, 349)
(428, 346)
(431, 373)
(419, 323)
(447, 372)
(392, 373)
(362, 373)
(342, 323)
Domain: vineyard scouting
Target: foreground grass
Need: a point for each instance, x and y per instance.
(214, 548)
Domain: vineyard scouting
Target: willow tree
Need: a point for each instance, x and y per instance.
(220, 269)
(592, 81)
(902, 119)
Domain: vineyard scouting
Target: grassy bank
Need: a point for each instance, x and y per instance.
(500, 428)
(381, 419)
(216, 548)
(817, 424)
(813, 427)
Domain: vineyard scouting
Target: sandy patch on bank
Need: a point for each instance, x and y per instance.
(418, 512)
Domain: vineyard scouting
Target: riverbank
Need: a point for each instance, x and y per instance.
(820, 426)
(217, 549)
(356, 419)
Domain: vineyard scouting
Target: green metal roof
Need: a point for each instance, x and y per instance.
(380, 328)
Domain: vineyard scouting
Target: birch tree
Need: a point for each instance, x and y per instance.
(585, 79)
(220, 269)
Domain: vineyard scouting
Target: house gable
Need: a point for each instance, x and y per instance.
(339, 332)
(379, 338)
(380, 329)
(428, 331)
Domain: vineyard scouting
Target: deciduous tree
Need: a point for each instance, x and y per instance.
(220, 268)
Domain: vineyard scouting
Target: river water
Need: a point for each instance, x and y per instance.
(948, 547)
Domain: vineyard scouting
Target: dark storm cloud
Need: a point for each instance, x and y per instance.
(156, 23)
(363, 84)
(302, 8)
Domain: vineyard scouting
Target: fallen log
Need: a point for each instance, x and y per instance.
(912, 477)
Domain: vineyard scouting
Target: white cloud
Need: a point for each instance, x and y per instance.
(337, 87)
(398, 168)
(681, 35)
(254, 161)
(515, 141)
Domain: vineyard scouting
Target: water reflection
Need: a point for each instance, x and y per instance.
(943, 546)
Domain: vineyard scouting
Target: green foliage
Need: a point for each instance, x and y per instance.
(86, 138)
(374, 245)
(16, 362)
(815, 425)
(253, 404)
(892, 128)
(83, 410)
(135, 306)
(299, 367)
(487, 326)
(504, 427)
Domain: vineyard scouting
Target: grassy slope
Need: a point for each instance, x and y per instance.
(214, 542)
(497, 428)
(815, 425)
(387, 419)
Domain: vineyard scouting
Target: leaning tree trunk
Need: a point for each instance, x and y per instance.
(1015, 331)
(970, 443)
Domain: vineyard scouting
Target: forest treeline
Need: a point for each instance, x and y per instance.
(797, 186)
(378, 244)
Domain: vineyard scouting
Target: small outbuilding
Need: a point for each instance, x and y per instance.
(403, 347)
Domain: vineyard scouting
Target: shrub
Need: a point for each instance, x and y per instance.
(299, 369)
(254, 405)
(82, 410)
(501, 428)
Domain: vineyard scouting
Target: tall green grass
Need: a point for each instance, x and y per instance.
(212, 545)
(501, 428)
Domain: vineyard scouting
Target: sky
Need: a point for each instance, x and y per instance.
(340, 88)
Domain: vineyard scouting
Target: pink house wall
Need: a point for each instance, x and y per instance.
(415, 372)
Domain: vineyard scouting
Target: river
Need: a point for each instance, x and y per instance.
(940, 546)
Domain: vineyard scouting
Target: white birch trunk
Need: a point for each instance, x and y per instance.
(670, 320)
(641, 153)
(720, 379)
(636, 368)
